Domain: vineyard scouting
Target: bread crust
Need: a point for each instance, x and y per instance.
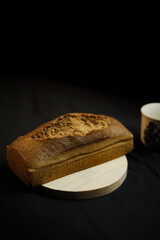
(67, 144)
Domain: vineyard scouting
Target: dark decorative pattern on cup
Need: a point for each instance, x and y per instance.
(152, 136)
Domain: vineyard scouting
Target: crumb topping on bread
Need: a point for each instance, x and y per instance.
(72, 124)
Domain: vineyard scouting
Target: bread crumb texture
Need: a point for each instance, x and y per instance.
(72, 124)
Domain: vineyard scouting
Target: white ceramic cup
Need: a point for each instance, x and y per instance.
(150, 125)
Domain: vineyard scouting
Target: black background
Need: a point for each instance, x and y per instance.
(140, 82)
(32, 95)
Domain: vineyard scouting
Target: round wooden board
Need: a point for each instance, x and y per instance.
(89, 183)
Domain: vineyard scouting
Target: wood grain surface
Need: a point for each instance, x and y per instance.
(89, 183)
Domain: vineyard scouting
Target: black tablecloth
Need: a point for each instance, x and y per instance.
(130, 212)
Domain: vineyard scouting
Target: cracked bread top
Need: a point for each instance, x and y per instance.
(58, 139)
(72, 124)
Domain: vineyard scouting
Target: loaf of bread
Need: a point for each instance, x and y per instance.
(67, 144)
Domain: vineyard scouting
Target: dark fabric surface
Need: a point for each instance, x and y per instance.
(130, 212)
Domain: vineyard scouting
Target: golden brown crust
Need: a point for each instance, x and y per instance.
(67, 137)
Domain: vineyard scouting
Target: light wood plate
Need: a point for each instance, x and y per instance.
(89, 183)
